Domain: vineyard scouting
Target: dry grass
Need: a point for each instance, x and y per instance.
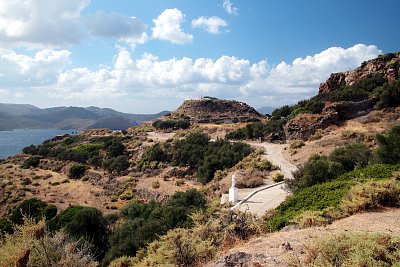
(274, 249)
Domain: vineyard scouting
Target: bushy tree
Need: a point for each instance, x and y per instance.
(32, 208)
(114, 148)
(76, 171)
(84, 222)
(318, 169)
(190, 151)
(144, 222)
(351, 155)
(32, 161)
(389, 147)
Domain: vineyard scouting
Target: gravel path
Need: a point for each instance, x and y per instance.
(269, 198)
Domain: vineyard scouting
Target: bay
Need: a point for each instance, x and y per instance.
(12, 142)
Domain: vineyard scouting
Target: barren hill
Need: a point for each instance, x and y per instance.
(212, 110)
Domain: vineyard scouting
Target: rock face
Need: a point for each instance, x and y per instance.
(305, 125)
(210, 110)
(388, 65)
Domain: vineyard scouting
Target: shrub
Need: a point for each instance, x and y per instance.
(26, 181)
(250, 182)
(114, 147)
(390, 95)
(145, 222)
(32, 243)
(372, 195)
(363, 249)
(179, 182)
(314, 198)
(311, 218)
(84, 222)
(220, 155)
(297, 144)
(154, 153)
(76, 171)
(389, 147)
(317, 135)
(351, 155)
(317, 169)
(32, 208)
(190, 151)
(32, 161)
(155, 184)
(278, 177)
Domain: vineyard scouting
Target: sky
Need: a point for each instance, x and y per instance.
(147, 56)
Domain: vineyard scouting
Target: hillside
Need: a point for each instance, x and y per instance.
(151, 196)
(20, 116)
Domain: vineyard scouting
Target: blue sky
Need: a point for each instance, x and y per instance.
(148, 56)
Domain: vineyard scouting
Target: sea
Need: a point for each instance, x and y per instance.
(12, 142)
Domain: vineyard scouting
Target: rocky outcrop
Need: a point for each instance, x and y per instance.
(211, 110)
(305, 125)
(387, 65)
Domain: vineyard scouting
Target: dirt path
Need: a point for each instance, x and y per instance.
(274, 249)
(269, 198)
(274, 153)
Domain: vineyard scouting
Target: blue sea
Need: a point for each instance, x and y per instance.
(12, 142)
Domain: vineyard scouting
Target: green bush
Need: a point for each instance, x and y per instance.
(318, 169)
(76, 171)
(171, 124)
(389, 147)
(84, 222)
(144, 222)
(33, 208)
(219, 156)
(114, 147)
(32, 161)
(314, 198)
(351, 155)
(154, 153)
(372, 195)
(26, 181)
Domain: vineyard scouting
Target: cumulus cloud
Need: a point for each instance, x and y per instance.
(41, 23)
(212, 25)
(168, 27)
(42, 69)
(230, 8)
(149, 83)
(118, 26)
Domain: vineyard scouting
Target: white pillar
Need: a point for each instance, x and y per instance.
(233, 191)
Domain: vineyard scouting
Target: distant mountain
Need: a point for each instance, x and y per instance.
(21, 116)
(266, 110)
(139, 118)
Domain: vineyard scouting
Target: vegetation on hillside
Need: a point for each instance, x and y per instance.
(345, 182)
(374, 85)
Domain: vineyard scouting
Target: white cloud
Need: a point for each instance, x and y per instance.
(229, 8)
(150, 84)
(119, 26)
(302, 77)
(212, 25)
(167, 26)
(21, 71)
(45, 23)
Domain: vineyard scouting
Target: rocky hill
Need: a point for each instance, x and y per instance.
(212, 110)
(387, 65)
(347, 95)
